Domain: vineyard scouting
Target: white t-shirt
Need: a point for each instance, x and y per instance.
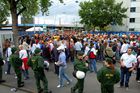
(124, 48)
(94, 51)
(86, 50)
(9, 52)
(23, 54)
(129, 60)
(34, 46)
(78, 46)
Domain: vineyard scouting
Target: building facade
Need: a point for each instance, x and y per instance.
(132, 22)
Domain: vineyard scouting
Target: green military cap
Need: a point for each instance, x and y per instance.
(109, 60)
(80, 53)
(37, 50)
(13, 50)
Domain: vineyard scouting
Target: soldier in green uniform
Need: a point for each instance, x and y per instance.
(16, 62)
(80, 65)
(36, 62)
(1, 64)
(108, 76)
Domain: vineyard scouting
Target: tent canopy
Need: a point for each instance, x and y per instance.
(34, 29)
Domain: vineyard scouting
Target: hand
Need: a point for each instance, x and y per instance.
(4, 61)
(86, 57)
(122, 64)
(131, 69)
(86, 64)
(113, 58)
(57, 63)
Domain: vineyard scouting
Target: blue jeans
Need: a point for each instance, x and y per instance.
(8, 67)
(125, 74)
(26, 74)
(92, 65)
(63, 75)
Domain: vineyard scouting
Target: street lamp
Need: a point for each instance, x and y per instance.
(76, 1)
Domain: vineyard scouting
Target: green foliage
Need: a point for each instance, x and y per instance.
(101, 13)
(3, 13)
(25, 8)
(31, 7)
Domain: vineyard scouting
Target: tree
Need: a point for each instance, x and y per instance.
(101, 13)
(25, 8)
(3, 14)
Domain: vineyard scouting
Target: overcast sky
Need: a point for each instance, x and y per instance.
(66, 13)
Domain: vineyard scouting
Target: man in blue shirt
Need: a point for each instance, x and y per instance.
(62, 67)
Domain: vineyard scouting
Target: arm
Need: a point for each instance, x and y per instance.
(99, 75)
(116, 76)
(29, 62)
(121, 61)
(82, 67)
(134, 64)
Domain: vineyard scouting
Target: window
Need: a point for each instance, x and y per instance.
(133, 9)
(131, 29)
(133, 0)
(132, 20)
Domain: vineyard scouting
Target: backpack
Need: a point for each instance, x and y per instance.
(92, 55)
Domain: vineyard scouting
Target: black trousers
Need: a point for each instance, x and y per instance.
(138, 74)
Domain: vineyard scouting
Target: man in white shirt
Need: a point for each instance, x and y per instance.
(124, 47)
(128, 63)
(8, 54)
(86, 49)
(78, 46)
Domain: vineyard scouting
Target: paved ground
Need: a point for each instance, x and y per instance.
(91, 83)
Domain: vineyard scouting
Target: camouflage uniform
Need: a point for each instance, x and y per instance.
(36, 62)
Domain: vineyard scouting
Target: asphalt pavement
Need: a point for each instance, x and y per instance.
(91, 83)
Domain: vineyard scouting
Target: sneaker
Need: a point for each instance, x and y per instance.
(26, 78)
(138, 81)
(15, 77)
(59, 86)
(69, 82)
(5, 73)
(49, 92)
(2, 81)
(21, 85)
(127, 88)
(119, 86)
(40, 91)
(22, 82)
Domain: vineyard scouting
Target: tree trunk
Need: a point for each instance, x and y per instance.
(14, 23)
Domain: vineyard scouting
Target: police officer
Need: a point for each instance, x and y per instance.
(16, 62)
(80, 65)
(37, 64)
(1, 64)
(108, 76)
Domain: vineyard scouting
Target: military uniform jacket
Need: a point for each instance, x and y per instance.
(79, 65)
(16, 62)
(36, 63)
(108, 77)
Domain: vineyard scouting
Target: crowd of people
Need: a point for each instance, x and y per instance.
(82, 50)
